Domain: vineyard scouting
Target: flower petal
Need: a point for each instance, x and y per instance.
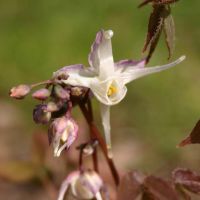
(75, 75)
(105, 117)
(127, 64)
(93, 57)
(101, 57)
(66, 183)
(98, 196)
(69, 70)
(100, 90)
(134, 73)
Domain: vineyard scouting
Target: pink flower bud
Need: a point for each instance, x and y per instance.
(20, 91)
(61, 92)
(41, 94)
(62, 133)
(86, 185)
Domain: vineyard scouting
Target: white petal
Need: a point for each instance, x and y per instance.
(98, 196)
(100, 90)
(105, 117)
(78, 80)
(135, 73)
(66, 183)
(106, 56)
(101, 57)
(77, 75)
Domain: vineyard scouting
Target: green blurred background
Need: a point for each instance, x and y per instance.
(37, 37)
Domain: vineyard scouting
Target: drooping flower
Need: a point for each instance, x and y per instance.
(83, 185)
(62, 133)
(107, 79)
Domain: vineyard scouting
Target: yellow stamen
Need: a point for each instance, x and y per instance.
(64, 136)
(112, 90)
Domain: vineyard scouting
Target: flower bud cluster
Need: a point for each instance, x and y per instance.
(57, 101)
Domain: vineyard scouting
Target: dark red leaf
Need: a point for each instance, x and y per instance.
(193, 138)
(155, 25)
(157, 2)
(152, 48)
(164, 2)
(188, 179)
(131, 186)
(159, 189)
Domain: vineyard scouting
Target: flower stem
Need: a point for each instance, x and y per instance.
(94, 155)
(41, 83)
(97, 135)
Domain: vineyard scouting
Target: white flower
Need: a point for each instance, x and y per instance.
(108, 79)
(83, 185)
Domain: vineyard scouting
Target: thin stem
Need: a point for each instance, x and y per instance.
(81, 160)
(97, 135)
(94, 155)
(41, 83)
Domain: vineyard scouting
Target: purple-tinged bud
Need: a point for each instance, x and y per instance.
(61, 92)
(52, 107)
(41, 115)
(20, 91)
(41, 94)
(86, 185)
(62, 133)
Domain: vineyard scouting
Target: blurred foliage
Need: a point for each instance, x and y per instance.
(37, 37)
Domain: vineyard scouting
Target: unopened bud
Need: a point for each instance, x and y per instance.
(20, 91)
(41, 94)
(52, 107)
(41, 115)
(61, 92)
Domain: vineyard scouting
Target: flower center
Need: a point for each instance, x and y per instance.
(112, 90)
(64, 136)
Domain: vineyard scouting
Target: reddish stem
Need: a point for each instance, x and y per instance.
(94, 155)
(97, 135)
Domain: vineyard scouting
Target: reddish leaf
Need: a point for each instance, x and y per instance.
(164, 2)
(159, 189)
(157, 2)
(169, 30)
(193, 138)
(155, 25)
(131, 186)
(188, 179)
(153, 47)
